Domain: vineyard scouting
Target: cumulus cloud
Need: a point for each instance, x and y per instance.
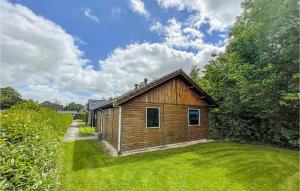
(89, 14)
(139, 7)
(136, 61)
(34, 47)
(179, 36)
(37, 53)
(43, 61)
(219, 14)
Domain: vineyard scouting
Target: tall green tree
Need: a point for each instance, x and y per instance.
(73, 107)
(258, 75)
(9, 97)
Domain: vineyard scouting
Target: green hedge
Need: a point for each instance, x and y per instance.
(223, 126)
(30, 141)
(80, 116)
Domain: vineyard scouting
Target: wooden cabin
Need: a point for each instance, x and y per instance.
(172, 109)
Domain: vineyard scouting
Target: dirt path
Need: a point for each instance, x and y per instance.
(73, 134)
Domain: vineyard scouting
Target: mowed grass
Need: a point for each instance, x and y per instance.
(86, 131)
(80, 123)
(212, 166)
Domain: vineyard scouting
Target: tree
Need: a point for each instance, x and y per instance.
(195, 73)
(258, 76)
(73, 107)
(8, 97)
(54, 106)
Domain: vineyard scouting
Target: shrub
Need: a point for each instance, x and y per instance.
(80, 116)
(225, 126)
(30, 140)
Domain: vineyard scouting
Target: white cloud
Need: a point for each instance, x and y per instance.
(34, 47)
(36, 52)
(43, 62)
(89, 14)
(139, 7)
(179, 36)
(219, 14)
(79, 40)
(126, 66)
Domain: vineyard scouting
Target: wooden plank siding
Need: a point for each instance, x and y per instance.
(173, 92)
(134, 131)
(174, 98)
(110, 125)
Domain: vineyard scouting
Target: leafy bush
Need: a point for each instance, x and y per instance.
(30, 140)
(80, 116)
(225, 126)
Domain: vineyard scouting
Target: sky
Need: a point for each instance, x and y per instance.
(72, 51)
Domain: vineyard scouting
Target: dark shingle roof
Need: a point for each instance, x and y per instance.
(93, 104)
(178, 73)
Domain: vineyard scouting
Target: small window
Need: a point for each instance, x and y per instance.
(194, 116)
(152, 117)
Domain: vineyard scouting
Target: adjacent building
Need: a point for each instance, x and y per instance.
(90, 108)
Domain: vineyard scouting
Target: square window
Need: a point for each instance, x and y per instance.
(152, 117)
(194, 116)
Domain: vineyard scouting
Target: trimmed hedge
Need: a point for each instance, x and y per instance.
(30, 141)
(80, 116)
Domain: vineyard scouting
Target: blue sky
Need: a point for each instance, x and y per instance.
(107, 42)
(118, 24)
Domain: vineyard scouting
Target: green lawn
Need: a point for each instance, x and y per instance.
(86, 131)
(80, 123)
(212, 166)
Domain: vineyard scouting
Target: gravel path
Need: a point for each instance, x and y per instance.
(73, 134)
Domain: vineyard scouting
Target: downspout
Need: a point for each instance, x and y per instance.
(119, 132)
(101, 124)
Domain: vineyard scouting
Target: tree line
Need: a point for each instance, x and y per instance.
(256, 79)
(9, 97)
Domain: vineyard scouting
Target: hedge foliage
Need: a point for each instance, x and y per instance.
(81, 116)
(30, 141)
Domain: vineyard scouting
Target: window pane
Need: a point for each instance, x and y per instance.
(193, 117)
(152, 117)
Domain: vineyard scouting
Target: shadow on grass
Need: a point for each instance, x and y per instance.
(89, 154)
(250, 166)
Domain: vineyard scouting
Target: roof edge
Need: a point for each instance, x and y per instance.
(164, 79)
(122, 99)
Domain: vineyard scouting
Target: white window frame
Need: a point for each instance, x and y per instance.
(158, 117)
(188, 114)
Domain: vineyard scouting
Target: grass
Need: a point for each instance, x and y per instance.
(80, 123)
(212, 166)
(86, 131)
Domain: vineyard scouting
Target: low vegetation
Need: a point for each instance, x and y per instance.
(30, 142)
(209, 167)
(86, 131)
(80, 122)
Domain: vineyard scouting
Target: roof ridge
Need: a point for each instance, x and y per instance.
(135, 92)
